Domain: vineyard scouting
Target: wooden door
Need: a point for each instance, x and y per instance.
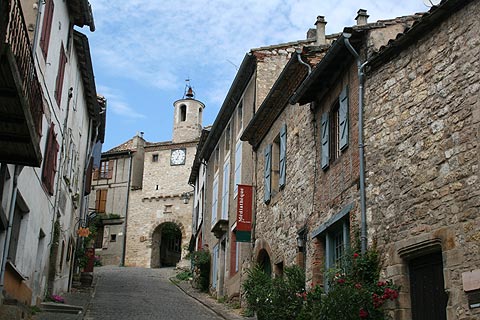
(427, 291)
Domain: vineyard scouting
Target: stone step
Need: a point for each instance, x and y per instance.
(61, 308)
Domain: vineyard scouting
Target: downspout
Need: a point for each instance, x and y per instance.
(124, 249)
(361, 81)
(299, 57)
(60, 166)
(11, 214)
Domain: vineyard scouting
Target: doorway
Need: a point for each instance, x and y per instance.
(166, 245)
(427, 290)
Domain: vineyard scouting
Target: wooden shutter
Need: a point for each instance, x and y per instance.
(267, 174)
(50, 160)
(110, 169)
(283, 156)
(343, 114)
(325, 130)
(60, 75)
(46, 27)
(101, 200)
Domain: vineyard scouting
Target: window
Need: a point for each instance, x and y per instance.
(215, 266)
(226, 189)
(228, 137)
(155, 158)
(106, 169)
(60, 75)
(46, 27)
(183, 112)
(50, 161)
(334, 130)
(101, 200)
(275, 155)
(337, 240)
(214, 200)
(238, 167)
(216, 159)
(240, 117)
(234, 253)
(113, 238)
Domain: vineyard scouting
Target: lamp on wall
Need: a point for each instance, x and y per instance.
(185, 197)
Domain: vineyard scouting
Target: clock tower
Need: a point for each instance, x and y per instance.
(187, 118)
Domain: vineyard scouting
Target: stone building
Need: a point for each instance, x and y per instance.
(158, 206)
(224, 162)
(49, 126)
(422, 133)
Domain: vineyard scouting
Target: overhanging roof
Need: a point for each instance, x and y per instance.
(81, 11)
(277, 99)
(244, 74)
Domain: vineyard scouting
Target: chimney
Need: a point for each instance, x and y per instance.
(362, 17)
(320, 30)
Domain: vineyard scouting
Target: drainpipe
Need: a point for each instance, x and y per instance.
(361, 81)
(299, 57)
(124, 249)
(11, 214)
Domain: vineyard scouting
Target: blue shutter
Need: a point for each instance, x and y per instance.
(325, 130)
(343, 114)
(267, 173)
(283, 156)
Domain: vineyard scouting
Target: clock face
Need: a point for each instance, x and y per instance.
(177, 157)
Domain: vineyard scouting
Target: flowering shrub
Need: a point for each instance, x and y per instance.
(57, 298)
(280, 298)
(201, 269)
(354, 292)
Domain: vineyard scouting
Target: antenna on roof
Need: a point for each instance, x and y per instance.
(188, 92)
(431, 3)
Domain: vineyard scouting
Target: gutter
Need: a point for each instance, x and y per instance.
(361, 80)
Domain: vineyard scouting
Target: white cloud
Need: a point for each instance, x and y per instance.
(117, 103)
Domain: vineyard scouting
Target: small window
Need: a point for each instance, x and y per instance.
(106, 169)
(113, 238)
(216, 159)
(183, 113)
(167, 208)
(228, 137)
(155, 158)
(240, 117)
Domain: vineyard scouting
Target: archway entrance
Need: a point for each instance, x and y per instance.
(166, 245)
(264, 261)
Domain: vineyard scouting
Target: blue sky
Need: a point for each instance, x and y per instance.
(143, 50)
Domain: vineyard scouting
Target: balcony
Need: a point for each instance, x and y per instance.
(21, 101)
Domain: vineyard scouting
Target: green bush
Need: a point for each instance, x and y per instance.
(354, 292)
(201, 269)
(278, 298)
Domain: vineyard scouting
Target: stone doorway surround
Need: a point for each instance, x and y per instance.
(399, 254)
(154, 242)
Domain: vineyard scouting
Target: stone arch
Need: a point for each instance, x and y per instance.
(166, 250)
(263, 255)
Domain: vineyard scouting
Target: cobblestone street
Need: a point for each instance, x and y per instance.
(137, 293)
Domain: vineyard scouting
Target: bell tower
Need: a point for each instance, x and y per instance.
(187, 117)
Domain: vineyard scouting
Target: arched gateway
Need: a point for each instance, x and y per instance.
(167, 244)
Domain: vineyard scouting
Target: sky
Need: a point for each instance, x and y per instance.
(143, 51)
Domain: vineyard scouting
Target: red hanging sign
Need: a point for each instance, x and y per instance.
(244, 208)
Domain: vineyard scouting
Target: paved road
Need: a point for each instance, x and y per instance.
(143, 294)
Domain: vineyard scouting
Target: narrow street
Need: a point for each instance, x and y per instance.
(137, 293)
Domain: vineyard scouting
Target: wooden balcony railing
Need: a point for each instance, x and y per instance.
(19, 43)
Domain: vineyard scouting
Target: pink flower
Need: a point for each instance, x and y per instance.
(341, 281)
(358, 285)
(363, 314)
(355, 255)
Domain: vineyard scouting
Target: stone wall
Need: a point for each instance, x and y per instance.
(277, 223)
(422, 129)
(159, 201)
